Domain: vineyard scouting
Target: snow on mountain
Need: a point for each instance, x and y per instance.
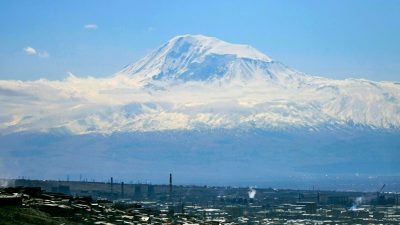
(191, 57)
(195, 82)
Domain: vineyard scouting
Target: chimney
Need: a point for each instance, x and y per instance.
(170, 184)
(111, 184)
(122, 189)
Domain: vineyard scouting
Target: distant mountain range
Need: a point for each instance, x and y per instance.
(210, 112)
(194, 82)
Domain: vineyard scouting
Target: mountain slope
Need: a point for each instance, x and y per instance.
(194, 82)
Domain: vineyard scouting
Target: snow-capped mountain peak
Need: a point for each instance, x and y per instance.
(192, 58)
(211, 45)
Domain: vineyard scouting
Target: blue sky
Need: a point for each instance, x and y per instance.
(337, 39)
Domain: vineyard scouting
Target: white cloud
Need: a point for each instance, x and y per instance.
(150, 29)
(115, 104)
(91, 26)
(43, 54)
(30, 51)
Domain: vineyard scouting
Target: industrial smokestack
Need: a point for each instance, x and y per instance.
(111, 184)
(170, 184)
(122, 189)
